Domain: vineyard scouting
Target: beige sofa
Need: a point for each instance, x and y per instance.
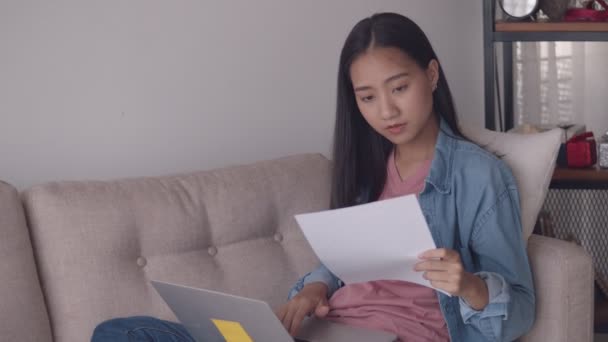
(89, 248)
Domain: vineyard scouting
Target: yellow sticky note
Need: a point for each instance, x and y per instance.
(232, 331)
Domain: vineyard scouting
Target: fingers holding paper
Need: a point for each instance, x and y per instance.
(443, 268)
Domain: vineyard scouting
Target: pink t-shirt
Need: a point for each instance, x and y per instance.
(408, 310)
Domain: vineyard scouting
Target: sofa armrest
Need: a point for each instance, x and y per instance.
(563, 280)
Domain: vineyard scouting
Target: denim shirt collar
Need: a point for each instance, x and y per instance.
(440, 174)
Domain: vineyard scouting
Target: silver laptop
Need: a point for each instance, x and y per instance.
(211, 316)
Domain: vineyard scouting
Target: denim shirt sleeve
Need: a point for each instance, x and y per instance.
(503, 263)
(320, 274)
(499, 298)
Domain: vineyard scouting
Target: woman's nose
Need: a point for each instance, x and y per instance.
(388, 109)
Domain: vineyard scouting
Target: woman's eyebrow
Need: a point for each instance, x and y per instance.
(392, 78)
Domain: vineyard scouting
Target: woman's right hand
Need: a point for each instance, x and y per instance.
(312, 299)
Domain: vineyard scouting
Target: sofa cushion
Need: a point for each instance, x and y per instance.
(23, 315)
(233, 230)
(531, 158)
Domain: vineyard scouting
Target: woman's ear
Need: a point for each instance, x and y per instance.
(432, 72)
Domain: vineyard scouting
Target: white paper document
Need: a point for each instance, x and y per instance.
(375, 241)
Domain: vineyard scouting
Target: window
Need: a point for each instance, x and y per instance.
(546, 91)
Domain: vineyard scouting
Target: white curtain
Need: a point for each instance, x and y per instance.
(549, 83)
(561, 83)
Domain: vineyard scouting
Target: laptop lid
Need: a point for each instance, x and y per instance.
(216, 316)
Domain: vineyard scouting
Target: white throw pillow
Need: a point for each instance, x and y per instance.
(531, 158)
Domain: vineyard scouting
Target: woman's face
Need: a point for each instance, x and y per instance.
(394, 94)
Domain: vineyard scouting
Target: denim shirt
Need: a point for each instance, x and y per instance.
(471, 204)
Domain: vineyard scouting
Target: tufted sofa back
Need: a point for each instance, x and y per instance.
(23, 315)
(98, 244)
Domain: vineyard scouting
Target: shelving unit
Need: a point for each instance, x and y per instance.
(507, 32)
(565, 182)
(556, 27)
(588, 178)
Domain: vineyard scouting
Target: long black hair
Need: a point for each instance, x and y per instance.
(360, 153)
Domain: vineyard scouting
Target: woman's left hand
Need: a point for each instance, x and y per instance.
(444, 269)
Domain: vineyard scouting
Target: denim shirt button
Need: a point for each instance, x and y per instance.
(212, 251)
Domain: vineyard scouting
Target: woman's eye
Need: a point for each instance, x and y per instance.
(399, 89)
(367, 98)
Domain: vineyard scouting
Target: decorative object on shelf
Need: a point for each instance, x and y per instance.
(603, 149)
(519, 9)
(554, 9)
(570, 130)
(588, 13)
(578, 152)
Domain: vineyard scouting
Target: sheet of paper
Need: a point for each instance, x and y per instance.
(375, 241)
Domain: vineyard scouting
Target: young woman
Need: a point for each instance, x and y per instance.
(396, 133)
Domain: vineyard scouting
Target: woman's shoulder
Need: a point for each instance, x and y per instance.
(480, 166)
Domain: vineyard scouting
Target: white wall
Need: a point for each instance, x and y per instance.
(106, 89)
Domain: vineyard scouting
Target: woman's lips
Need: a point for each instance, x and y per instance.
(396, 129)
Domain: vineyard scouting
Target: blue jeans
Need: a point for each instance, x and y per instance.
(140, 329)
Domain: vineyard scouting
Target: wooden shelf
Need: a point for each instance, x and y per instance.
(563, 26)
(588, 178)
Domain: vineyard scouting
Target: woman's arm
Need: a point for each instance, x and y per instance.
(499, 249)
(320, 274)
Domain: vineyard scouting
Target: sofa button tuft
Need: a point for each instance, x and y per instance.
(141, 261)
(212, 251)
(278, 237)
